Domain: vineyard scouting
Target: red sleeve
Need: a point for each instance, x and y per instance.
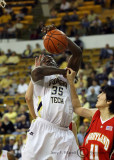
(70, 126)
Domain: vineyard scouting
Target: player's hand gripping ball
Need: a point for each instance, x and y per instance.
(55, 41)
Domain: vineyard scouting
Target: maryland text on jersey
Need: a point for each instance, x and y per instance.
(100, 138)
(57, 81)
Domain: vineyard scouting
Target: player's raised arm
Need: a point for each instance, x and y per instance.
(76, 57)
(75, 100)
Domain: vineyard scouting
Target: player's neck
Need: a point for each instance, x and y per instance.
(105, 114)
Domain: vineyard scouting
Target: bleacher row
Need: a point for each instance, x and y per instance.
(17, 6)
(82, 10)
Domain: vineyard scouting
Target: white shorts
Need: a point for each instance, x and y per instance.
(46, 141)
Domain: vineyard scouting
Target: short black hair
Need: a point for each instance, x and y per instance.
(109, 90)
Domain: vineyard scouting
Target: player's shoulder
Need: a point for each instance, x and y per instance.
(96, 114)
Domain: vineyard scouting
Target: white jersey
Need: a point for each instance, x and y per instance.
(49, 137)
(4, 155)
(55, 105)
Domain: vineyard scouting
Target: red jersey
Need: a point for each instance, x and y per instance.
(99, 139)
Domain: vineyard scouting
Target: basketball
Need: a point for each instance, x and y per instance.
(55, 41)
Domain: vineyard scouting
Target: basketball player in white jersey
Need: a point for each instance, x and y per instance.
(49, 102)
(5, 155)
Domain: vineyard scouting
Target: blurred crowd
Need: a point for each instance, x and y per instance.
(90, 24)
(12, 26)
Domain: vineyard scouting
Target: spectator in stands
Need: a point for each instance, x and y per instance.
(34, 35)
(4, 154)
(81, 30)
(37, 50)
(22, 125)
(66, 17)
(85, 22)
(9, 146)
(8, 9)
(106, 52)
(14, 84)
(2, 93)
(99, 67)
(3, 70)
(111, 78)
(104, 83)
(81, 134)
(109, 69)
(78, 41)
(91, 16)
(62, 26)
(108, 26)
(13, 59)
(95, 26)
(10, 90)
(3, 57)
(74, 16)
(11, 30)
(85, 103)
(39, 28)
(27, 52)
(65, 6)
(53, 13)
(24, 10)
(73, 31)
(5, 82)
(8, 53)
(81, 84)
(22, 87)
(11, 114)
(87, 69)
(16, 106)
(95, 86)
(111, 59)
(22, 111)
(24, 136)
(100, 2)
(100, 77)
(75, 4)
(18, 148)
(19, 26)
(1, 11)
(5, 18)
(86, 123)
(20, 15)
(92, 98)
(1, 127)
(13, 16)
(7, 125)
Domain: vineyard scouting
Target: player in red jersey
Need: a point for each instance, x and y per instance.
(99, 139)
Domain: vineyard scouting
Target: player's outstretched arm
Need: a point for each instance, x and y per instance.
(10, 156)
(29, 100)
(75, 100)
(76, 57)
(39, 73)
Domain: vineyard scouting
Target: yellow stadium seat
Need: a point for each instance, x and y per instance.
(88, 3)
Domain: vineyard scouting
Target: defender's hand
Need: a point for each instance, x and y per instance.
(48, 28)
(38, 60)
(70, 75)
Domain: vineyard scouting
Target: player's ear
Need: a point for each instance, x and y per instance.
(109, 102)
